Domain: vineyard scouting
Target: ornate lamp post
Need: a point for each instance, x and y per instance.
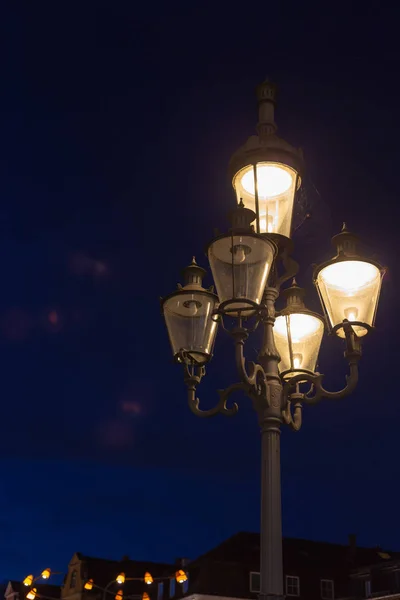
(249, 266)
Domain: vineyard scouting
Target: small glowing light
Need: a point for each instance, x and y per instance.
(148, 578)
(28, 580)
(267, 223)
(121, 578)
(239, 253)
(180, 576)
(297, 360)
(89, 584)
(31, 595)
(145, 596)
(46, 574)
(118, 595)
(271, 180)
(349, 276)
(192, 308)
(351, 314)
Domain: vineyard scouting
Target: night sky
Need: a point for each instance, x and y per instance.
(117, 123)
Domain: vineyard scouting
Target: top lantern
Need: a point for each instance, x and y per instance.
(266, 172)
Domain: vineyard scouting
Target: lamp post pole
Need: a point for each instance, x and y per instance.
(249, 265)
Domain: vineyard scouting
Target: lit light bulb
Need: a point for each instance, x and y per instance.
(46, 574)
(271, 180)
(297, 360)
(239, 254)
(121, 578)
(148, 578)
(192, 308)
(351, 314)
(267, 224)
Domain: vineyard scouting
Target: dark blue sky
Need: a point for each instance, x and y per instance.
(117, 121)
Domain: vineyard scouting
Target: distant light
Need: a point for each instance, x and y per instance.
(28, 580)
(31, 595)
(148, 578)
(89, 584)
(121, 578)
(46, 574)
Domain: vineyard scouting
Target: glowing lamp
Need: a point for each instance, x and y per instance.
(298, 334)
(31, 595)
(28, 580)
(121, 578)
(180, 576)
(148, 578)
(349, 286)
(241, 262)
(265, 172)
(188, 314)
(268, 188)
(119, 595)
(89, 584)
(145, 596)
(46, 574)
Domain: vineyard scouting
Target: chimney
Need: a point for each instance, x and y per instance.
(182, 562)
(352, 541)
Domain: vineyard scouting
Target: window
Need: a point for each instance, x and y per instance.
(292, 585)
(367, 588)
(254, 582)
(172, 587)
(327, 589)
(72, 581)
(185, 584)
(160, 591)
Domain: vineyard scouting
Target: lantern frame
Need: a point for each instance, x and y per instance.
(295, 306)
(193, 275)
(346, 244)
(242, 219)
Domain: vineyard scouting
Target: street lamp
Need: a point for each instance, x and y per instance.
(249, 265)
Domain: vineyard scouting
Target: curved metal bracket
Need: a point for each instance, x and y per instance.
(221, 407)
(294, 420)
(254, 381)
(291, 268)
(317, 391)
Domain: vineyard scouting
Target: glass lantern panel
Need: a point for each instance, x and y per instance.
(276, 189)
(240, 266)
(188, 316)
(305, 332)
(350, 290)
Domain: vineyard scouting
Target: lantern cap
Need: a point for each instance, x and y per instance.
(294, 296)
(193, 276)
(345, 242)
(266, 146)
(241, 219)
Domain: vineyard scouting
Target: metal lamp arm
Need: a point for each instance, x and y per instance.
(317, 391)
(256, 378)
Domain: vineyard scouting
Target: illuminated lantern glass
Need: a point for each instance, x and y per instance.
(349, 287)
(189, 317)
(298, 335)
(148, 578)
(119, 595)
(276, 186)
(241, 263)
(31, 595)
(28, 580)
(89, 584)
(145, 596)
(121, 578)
(46, 574)
(180, 576)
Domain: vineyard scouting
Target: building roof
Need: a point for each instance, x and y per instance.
(44, 589)
(244, 548)
(103, 571)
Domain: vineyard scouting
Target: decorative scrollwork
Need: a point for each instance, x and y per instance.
(294, 420)
(221, 407)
